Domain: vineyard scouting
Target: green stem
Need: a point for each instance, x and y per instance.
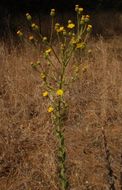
(55, 54)
(78, 24)
(52, 26)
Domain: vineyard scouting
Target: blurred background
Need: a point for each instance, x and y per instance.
(107, 12)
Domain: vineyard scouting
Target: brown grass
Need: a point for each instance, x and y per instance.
(27, 142)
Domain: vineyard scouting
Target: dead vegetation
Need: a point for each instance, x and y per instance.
(27, 143)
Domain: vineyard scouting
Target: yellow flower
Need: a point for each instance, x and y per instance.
(48, 50)
(80, 10)
(45, 94)
(71, 25)
(80, 45)
(50, 109)
(60, 29)
(90, 26)
(43, 76)
(47, 53)
(59, 92)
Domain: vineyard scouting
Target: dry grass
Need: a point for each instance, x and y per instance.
(27, 143)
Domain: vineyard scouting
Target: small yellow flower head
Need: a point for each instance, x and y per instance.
(28, 16)
(50, 109)
(81, 45)
(48, 51)
(71, 26)
(60, 29)
(60, 92)
(76, 8)
(45, 94)
(43, 76)
(80, 10)
(19, 33)
(31, 38)
(52, 13)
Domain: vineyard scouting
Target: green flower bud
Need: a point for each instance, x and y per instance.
(76, 8)
(28, 16)
(80, 10)
(19, 33)
(35, 27)
(89, 28)
(52, 13)
(44, 39)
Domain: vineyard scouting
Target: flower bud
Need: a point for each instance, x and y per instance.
(80, 10)
(89, 28)
(44, 39)
(52, 13)
(31, 38)
(43, 76)
(19, 33)
(28, 16)
(87, 19)
(76, 8)
(35, 27)
(64, 32)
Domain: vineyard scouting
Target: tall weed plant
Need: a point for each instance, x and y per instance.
(71, 41)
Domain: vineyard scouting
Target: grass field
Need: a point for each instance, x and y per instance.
(93, 132)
